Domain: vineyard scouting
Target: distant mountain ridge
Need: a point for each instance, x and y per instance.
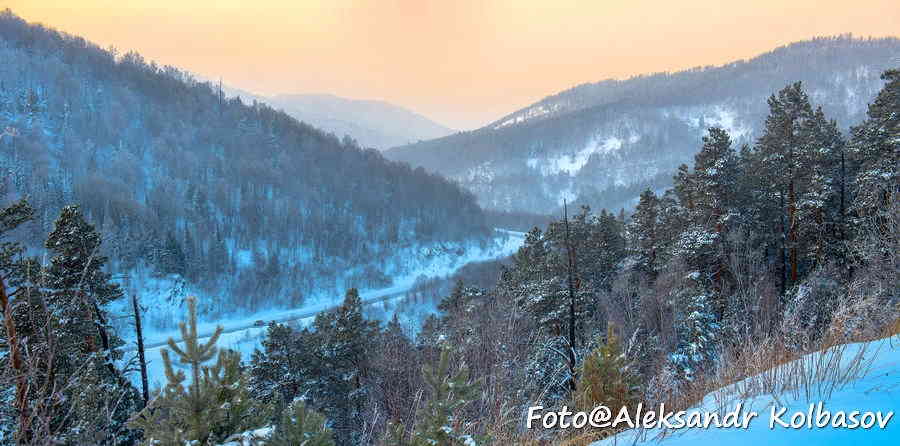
(371, 123)
(602, 143)
(375, 124)
(649, 87)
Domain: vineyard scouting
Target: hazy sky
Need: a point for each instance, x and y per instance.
(460, 62)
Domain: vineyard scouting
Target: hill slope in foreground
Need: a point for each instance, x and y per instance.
(841, 386)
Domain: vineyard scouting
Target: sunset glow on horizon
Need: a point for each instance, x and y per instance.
(461, 62)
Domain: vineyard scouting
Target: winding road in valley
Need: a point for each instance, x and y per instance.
(281, 319)
(260, 320)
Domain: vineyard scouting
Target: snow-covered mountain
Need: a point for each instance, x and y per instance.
(605, 142)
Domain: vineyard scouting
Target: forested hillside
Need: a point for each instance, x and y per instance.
(604, 143)
(236, 198)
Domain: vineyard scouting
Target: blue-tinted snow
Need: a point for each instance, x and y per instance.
(878, 390)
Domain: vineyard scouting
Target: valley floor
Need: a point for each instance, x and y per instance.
(244, 332)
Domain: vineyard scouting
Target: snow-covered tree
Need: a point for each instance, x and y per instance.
(279, 370)
(792, 163)
(697, 328)
(875, 148)
(337, 382)
(643, 232)
(64, 339)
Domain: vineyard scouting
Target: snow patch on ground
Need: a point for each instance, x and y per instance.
(727, 120)
(571, 163)
(863, 72)
(718, 115)
(566, 195)
(482, 173)
(529, 113)
(878, 390)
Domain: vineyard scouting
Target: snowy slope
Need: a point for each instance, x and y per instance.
(877, 390)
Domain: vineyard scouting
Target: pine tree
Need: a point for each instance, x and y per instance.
(62, 334)
(300, 425)
(696, 327)
(531, 281)
(337, 381)
(644, 233)
(818, 207)
(875, 152)
(439, 421)
(792, 161)
(76, 292)
(686, 187)
(538, 282)
(713, 187)
(715, 176)
(875, 210)
(214, 405)
(777, 166)
(602, 262)
(455, 301)
(281, 367)
(606, 377)
(539, 277)
(78, 288)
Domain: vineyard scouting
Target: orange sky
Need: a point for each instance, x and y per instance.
(461, 62)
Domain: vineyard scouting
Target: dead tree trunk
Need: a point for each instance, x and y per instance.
(145, 392)
(570, 253)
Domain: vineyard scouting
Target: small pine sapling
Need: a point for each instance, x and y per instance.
(300, 425)
(438, 422)
(213, 406)
(606, 377)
